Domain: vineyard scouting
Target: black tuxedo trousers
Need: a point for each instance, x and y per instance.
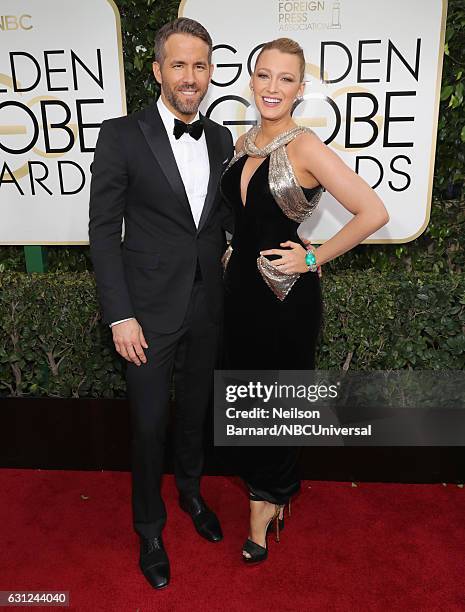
(190, 354)
(167, 274)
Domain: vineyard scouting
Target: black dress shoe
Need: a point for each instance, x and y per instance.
(154, 562)
(205, 520)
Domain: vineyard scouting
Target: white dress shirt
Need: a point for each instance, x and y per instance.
(193, 164)
(192, 159)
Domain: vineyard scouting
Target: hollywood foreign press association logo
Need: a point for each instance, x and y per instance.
(294, 15)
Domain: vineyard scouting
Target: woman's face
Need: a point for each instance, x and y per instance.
(276, 83)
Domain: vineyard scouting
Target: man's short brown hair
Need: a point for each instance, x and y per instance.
(183, 25)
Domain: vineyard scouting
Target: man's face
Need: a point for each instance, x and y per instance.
(184, 75)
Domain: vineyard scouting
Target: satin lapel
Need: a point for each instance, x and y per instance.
(216, 167)
(154, 131)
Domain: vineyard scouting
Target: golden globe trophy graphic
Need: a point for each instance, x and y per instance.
(336, 16)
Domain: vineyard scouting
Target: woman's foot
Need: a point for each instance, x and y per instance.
(261, 514)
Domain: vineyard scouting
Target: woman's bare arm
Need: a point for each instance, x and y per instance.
(348, 188)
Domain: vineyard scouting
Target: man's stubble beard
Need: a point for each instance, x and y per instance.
(183, 107)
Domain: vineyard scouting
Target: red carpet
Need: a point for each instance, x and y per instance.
(373, 547)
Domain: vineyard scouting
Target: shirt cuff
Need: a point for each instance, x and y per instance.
(121, 321)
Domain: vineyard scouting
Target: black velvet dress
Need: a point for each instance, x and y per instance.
(260, 331)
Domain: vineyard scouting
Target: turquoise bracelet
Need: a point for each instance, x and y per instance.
(310, 260)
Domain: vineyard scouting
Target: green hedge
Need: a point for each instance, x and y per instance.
(52, 342)
(450, 152)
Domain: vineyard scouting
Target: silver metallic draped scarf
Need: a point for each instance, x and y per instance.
(287, 193)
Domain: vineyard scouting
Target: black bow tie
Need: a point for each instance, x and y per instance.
(193, 129)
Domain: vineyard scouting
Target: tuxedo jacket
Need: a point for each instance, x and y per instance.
(135, 177)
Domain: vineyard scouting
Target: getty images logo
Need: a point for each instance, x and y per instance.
(15, 22)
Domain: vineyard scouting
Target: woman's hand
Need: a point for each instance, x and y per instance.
(308, 245)
(291, 260)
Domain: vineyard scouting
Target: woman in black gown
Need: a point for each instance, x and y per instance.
(273, 311)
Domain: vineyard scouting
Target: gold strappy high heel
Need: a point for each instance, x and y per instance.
(281, 520)
(257, 552)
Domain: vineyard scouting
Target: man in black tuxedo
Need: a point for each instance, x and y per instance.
(161, 289)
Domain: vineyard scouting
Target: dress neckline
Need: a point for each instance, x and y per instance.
(257, 169)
